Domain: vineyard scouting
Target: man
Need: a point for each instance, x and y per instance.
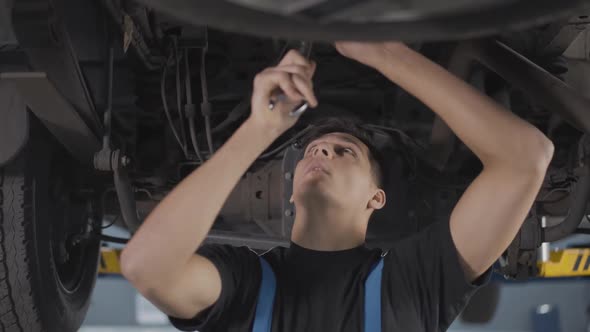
(427, 278)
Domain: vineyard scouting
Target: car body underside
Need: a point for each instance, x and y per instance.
(126, 87)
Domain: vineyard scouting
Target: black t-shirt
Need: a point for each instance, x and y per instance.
(423, 287)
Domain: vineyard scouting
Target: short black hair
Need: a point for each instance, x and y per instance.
(354, 128)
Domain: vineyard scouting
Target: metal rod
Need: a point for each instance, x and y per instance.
(106, 138)
(178, 97)
(206, 106)
(536, 82)
(190, 107)
(165, 104)
(126, 198)
(187, 79)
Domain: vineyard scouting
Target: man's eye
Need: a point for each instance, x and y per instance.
(349, 151)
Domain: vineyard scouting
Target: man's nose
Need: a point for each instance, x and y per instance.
(324, 150)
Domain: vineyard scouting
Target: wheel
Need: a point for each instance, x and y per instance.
(48, 266)
(338, 20)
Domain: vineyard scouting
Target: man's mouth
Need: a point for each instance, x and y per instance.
(316, 167)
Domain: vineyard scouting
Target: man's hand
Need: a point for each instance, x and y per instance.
(293, 77)
(371, 54)
(515, 154)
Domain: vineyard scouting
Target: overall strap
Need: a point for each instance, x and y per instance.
(266, 296)
(373, 298)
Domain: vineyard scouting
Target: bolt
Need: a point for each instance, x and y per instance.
(288, 176)
(288, 213)
(77, 239)
(125, 161)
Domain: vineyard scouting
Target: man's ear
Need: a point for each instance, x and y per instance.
(378, 200)
(291, 200)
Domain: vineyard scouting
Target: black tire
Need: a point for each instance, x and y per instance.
(38, 291)
(506, 16)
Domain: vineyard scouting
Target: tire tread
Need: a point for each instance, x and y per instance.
(16, 313)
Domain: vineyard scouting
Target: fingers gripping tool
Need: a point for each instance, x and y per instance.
(305, 50)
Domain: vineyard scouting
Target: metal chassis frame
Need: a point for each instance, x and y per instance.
(516, 69)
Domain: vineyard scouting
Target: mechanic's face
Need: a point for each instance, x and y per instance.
(335, 170)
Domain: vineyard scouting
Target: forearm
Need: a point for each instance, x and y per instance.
(493, 133)
(178, 225)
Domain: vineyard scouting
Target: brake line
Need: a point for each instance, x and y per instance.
(206, 105)
(189, 108)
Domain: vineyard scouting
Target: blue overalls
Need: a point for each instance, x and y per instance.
(266, 295)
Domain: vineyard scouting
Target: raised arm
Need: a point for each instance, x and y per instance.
(515, 154)
(160, 259)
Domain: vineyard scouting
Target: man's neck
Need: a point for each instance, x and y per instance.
(327, 230)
